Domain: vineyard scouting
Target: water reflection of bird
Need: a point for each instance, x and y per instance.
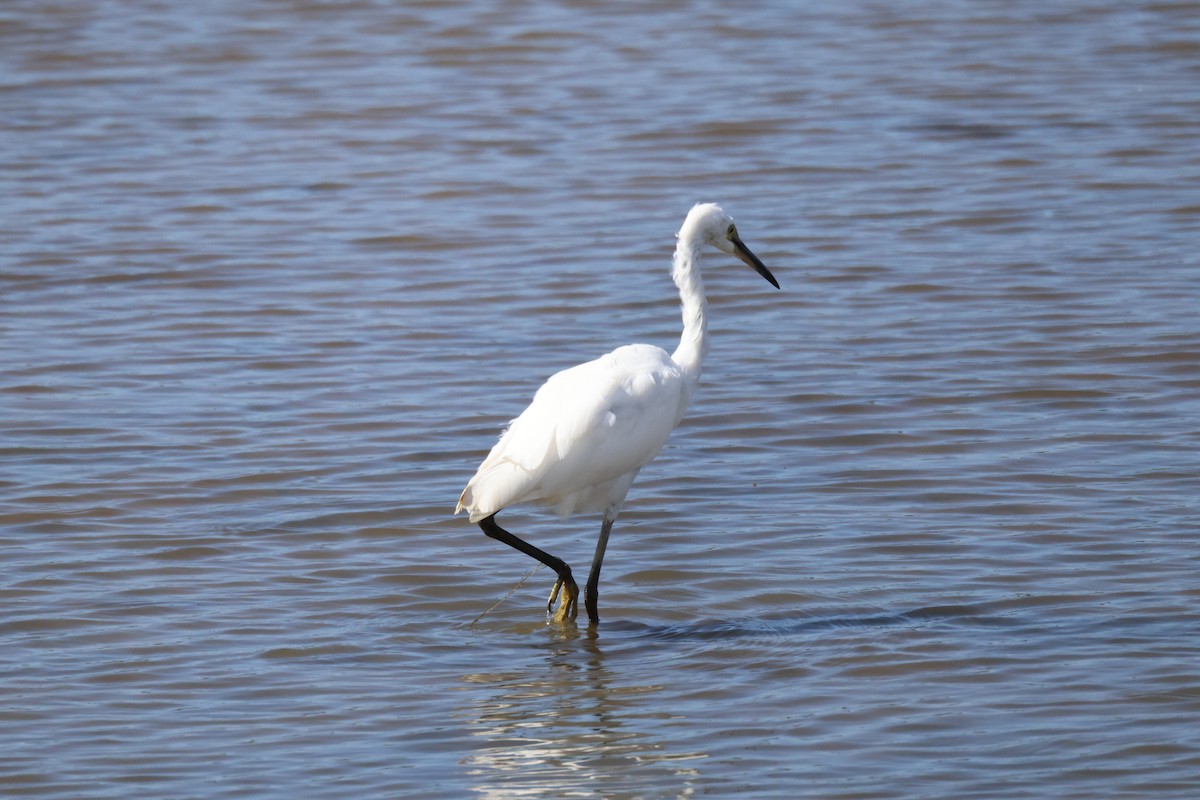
(580, 443)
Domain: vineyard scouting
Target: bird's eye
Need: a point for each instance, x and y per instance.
(732, 232)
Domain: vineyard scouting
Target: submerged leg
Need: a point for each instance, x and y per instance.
(565, 583)
(591, 592)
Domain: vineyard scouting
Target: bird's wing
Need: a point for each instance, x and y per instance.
(587, 425)
(629, 409)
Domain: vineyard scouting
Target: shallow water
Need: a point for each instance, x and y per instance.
(274, 276)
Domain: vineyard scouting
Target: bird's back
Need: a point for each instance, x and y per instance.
(589, 429)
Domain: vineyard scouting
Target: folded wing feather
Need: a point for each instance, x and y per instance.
(587, 428)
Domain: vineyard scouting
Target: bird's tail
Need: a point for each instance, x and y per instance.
(498, 483)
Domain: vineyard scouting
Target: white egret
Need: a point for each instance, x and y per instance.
(590, 428)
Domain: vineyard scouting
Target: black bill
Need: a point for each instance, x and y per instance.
(744, 254)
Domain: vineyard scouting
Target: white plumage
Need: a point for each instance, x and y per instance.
(578, 451)
(591, 428)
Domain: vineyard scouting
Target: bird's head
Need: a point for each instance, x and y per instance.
(709, 224)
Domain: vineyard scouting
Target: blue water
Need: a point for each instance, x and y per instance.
(274, 277)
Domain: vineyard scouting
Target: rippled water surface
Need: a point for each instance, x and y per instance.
(273, 276)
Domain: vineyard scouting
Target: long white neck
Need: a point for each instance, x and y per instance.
(693, 344)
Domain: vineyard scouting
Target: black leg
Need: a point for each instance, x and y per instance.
(591, 593)
(492, 529)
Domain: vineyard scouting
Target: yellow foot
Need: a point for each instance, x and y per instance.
(569, 606)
